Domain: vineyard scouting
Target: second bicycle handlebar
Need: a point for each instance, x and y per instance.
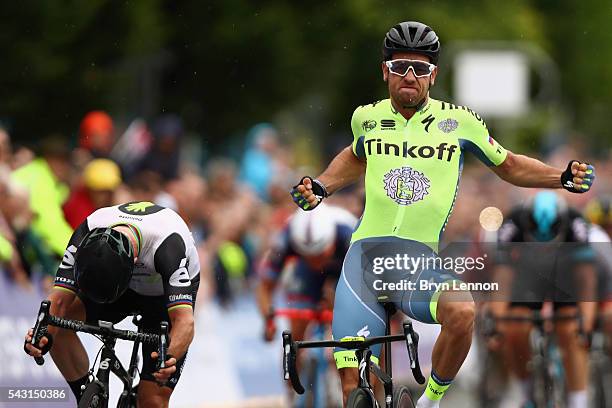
(291, 347)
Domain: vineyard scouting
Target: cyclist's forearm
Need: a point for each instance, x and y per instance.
(263, 294)
(345, 169)
(181, 334)
(61, 300)
(523, 171)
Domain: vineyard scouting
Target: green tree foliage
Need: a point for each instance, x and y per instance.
(225, 65)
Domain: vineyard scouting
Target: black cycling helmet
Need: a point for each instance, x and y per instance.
(104, 264)
(411, 36)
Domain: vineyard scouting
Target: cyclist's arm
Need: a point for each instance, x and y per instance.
(181, 335)
(520, 170)
(524, 171)
(263, 293)
(65, 287)
(349, 165)
(171, 262)
(269, 271)
(344, 169)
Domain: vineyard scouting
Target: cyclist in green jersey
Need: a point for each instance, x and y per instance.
(411, 148)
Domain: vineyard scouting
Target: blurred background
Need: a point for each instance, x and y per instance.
(216, 109)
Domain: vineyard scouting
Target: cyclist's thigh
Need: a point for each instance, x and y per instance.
(421, 304)
(356, 310)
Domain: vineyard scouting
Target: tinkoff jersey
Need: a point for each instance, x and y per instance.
(413, 166)
(167, 261)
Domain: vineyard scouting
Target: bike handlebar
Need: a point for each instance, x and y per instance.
(45, 319)
(291, 347)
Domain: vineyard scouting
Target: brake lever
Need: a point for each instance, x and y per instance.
(412, 343)
(40, 328)
(163, 345)
(289, 362)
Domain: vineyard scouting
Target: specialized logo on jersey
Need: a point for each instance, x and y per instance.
(140, 208)
(448, 125)
(405, 185)
(368, 125)
(180, 277)
(428, 121)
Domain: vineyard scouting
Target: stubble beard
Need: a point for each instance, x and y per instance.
(409, 103)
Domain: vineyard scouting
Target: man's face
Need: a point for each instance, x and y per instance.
(408, 91)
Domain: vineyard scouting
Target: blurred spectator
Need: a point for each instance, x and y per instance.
(5, 157)
(97, 133)
(189, 192)
(44, 179)
(101, 178)
(163, 158)
(9, 201)
(148, 186)
(132, 147)
(258, 165)
(231, 214)
(5, 147)
(21, 156)
(96, 139)
(230, 207)
(281, 205)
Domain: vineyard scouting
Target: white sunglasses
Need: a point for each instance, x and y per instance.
(402, 66)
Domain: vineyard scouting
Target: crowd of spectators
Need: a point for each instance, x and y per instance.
(233, 207)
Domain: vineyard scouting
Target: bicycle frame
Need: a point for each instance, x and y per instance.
(109, 362)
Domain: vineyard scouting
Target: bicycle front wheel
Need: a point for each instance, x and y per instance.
(93, 396)
(402, 397)
(360, 398)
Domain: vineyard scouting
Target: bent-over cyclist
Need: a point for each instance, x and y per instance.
(134, 257)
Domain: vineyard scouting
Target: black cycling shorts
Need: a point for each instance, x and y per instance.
(153, 311)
